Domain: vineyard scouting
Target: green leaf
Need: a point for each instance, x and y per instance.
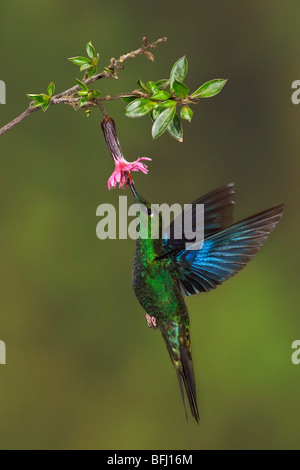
(152, 87)
(92, 71)
(142, 85)
(38, 100)
(175, 129)
(179, 71)
(186, 113)
(35, 97)
(139, 107)
(90, 50)
(161, 95)
(180, 89)
(82, 100)
(37, 104)
(95, 60)
(41, 98)
(168, 104)
(128, 99)
(51, 89)
(79, 60)
(162, 84)
(45, 105)
(162, 122)
(96, 93)
(86, 66)
(82, 93)
(156, 112)
(82, 85)
(208, 89)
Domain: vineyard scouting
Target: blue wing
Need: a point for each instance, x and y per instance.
(218, 214)
(225, 253)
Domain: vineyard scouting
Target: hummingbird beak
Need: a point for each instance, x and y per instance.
(138, 199)
(130, 183)
(135, 195)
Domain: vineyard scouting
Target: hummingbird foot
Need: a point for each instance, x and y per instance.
(151, 321)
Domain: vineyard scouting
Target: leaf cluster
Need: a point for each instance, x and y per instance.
(42, 99)
(161, 104)
(87, 64)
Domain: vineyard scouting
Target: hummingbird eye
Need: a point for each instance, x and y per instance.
(149, 211)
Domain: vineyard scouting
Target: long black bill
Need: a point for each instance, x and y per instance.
(133, 190)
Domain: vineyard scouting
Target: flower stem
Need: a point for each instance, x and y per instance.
(110, 135)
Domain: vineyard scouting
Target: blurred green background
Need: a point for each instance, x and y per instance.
(83, 370)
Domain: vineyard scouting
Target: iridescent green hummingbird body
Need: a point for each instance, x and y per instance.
(155, 286)
(164, 269)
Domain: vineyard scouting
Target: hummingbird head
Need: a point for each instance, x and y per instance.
(150, 223)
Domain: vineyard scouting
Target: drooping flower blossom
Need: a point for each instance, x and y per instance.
(121, 174)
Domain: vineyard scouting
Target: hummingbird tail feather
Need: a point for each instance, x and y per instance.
(186, 376)
(178, 344)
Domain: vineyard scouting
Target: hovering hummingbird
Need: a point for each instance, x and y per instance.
(164, 270)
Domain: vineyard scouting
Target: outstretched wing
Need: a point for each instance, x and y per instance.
(218, 214)
(225, 253)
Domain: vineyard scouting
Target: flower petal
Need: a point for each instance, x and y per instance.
(122, 167)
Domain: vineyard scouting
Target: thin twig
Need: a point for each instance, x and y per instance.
(75, 88)
(66, 96)
(103, 111)
(73, 101)
(30, 110)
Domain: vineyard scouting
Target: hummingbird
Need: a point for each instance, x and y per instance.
(164, 270)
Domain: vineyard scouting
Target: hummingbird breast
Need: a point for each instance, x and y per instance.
(157, 290)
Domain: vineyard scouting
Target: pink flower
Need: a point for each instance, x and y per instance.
(122, 171)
